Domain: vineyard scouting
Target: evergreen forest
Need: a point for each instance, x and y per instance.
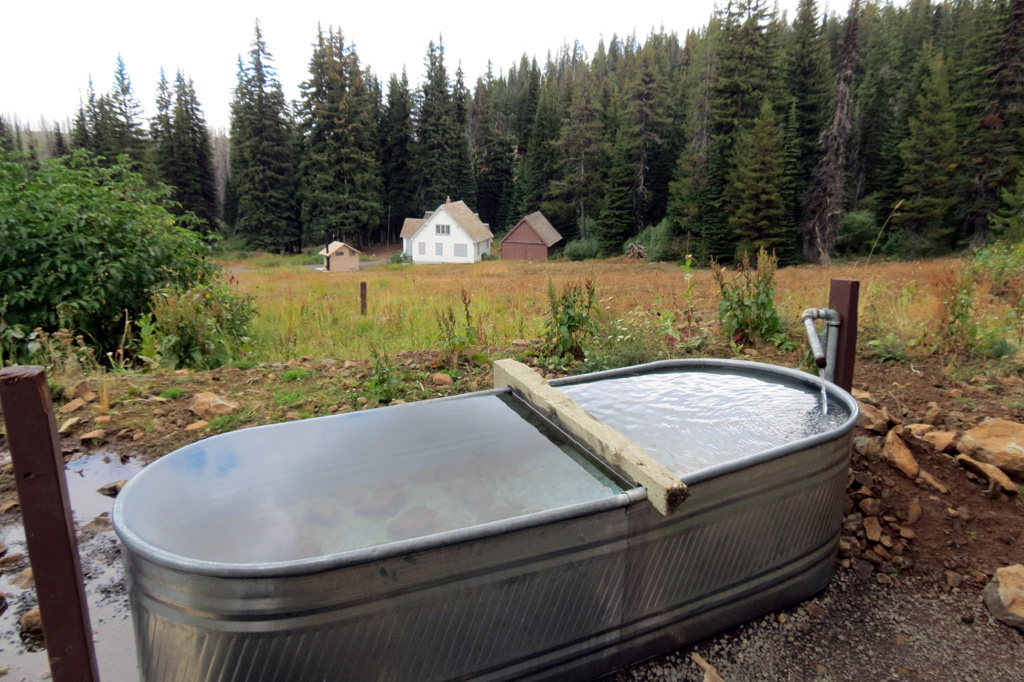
(895, 130)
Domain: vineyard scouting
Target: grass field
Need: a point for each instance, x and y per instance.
(304, 312)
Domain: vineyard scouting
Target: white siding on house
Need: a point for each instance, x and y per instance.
(446, 246)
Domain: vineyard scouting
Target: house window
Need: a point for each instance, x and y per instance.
(439, 249)
(460, 250)
(423, 248)
(443, 230)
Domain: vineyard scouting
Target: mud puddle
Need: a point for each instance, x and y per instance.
(109, 612)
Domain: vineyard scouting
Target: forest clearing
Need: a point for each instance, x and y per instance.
(333, 360)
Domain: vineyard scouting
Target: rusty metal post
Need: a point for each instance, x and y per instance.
(843, 297)
(362, 299)
(49, 526)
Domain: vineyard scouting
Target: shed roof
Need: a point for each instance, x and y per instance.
(460, 212)
(333, 247)
(548, 234)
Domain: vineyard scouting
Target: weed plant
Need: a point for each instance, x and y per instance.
(571, 321)
(746, 309)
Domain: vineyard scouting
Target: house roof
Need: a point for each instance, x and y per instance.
(460, 213)
(548, 234)
(333, 247)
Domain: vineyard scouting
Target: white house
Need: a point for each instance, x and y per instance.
(451, 234)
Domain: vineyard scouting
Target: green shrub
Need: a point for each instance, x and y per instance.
(83, 246)
(401, 258)
(201, 328)
(571, 319)
(383, 383)
(172, 393)
(891, 349)
(660, 242)
(746, 309)
(583, 249)
(295, 375)
(488, 256)
(857, 232)
(455, 338)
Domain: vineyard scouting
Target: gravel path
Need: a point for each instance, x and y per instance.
(859, 631)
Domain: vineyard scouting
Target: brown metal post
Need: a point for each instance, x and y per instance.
(362, 298)
(49, 526)
(843, 297)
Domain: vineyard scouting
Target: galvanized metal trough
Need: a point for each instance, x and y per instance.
(470, 538)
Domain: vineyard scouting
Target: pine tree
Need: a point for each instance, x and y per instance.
(1008, 224)
(755, 188)
(544, 158)
(582, 147)
(60, 147)
(810, 83)
(825, 201)
(126, 134)
(465, 174)
(339, 174)
(160, 130)
(190, 172)
(397, 152)
(929, 155)
(644, 129)
(6, 142)
(262, 155)
(437, 132)
(616, 222)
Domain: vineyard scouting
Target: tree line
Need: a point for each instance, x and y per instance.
(893, 128)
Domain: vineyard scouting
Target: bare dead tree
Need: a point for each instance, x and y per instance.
(825, 198)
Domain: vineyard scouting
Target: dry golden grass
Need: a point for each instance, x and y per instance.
(306, 312)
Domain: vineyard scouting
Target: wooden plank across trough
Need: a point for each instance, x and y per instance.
(664, 489)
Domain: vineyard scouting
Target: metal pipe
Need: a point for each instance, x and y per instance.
(823, 358)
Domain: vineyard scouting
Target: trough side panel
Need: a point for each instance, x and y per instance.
(743, 545)
(511, 607)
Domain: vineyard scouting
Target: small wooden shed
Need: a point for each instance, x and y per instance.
(530, 239)
(339, 256)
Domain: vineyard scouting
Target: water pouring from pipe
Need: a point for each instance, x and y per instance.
(824, 359)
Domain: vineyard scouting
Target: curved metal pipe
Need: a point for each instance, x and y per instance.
(824, 359)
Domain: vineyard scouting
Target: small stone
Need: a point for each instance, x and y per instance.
(942, 441)
(925, 477)
(873, 419)
(68, 425)
(102, 419)
(871, 506)
(907, 533)
(206, 405)
(864, 569)
(868, 447)
(955, 393)
(967, 618)
(292, 415)
(815, 610)
(999, 442)
(918, 430)
(872, 557)
(137, 436)
(195, 426)
(440, 379)
(848, 547)
(83, 387)
(24, 580)
(886, 541)
(864, 397)
(363, 400)
(89, 397)
(883, 579)
(864, 479)
(97, 434)
(934, 415)
(1004, 596)
(991, 472)
(111, 489)
(332, 409)
(882, 552)
(872, 528)
(32, 623)
(952, 513)
(9, 559)
(72, 406)
(898, 455)
(954, 579)
(914, 512)
(7, 506)
(101, 524)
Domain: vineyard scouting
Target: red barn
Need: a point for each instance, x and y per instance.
(530, 239)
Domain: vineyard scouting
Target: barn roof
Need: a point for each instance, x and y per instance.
(333, 247)
(543, 228)
(460, 213)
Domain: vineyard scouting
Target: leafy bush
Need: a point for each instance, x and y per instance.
(747, 306)
(571, 319)
(383, 383)
(201, 328)
(172, 393)
(583, 249)
(295, 375)
(891, 349)
(660, 242)
(81, 244)
(401, 258)
(488, 256)
(857, 232)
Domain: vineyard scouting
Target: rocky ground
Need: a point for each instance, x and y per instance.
(924, 532)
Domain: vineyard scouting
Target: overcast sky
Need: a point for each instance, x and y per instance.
(49, 49)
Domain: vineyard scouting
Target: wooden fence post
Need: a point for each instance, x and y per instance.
(843, 297)
(362, 299)
(49, 525)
